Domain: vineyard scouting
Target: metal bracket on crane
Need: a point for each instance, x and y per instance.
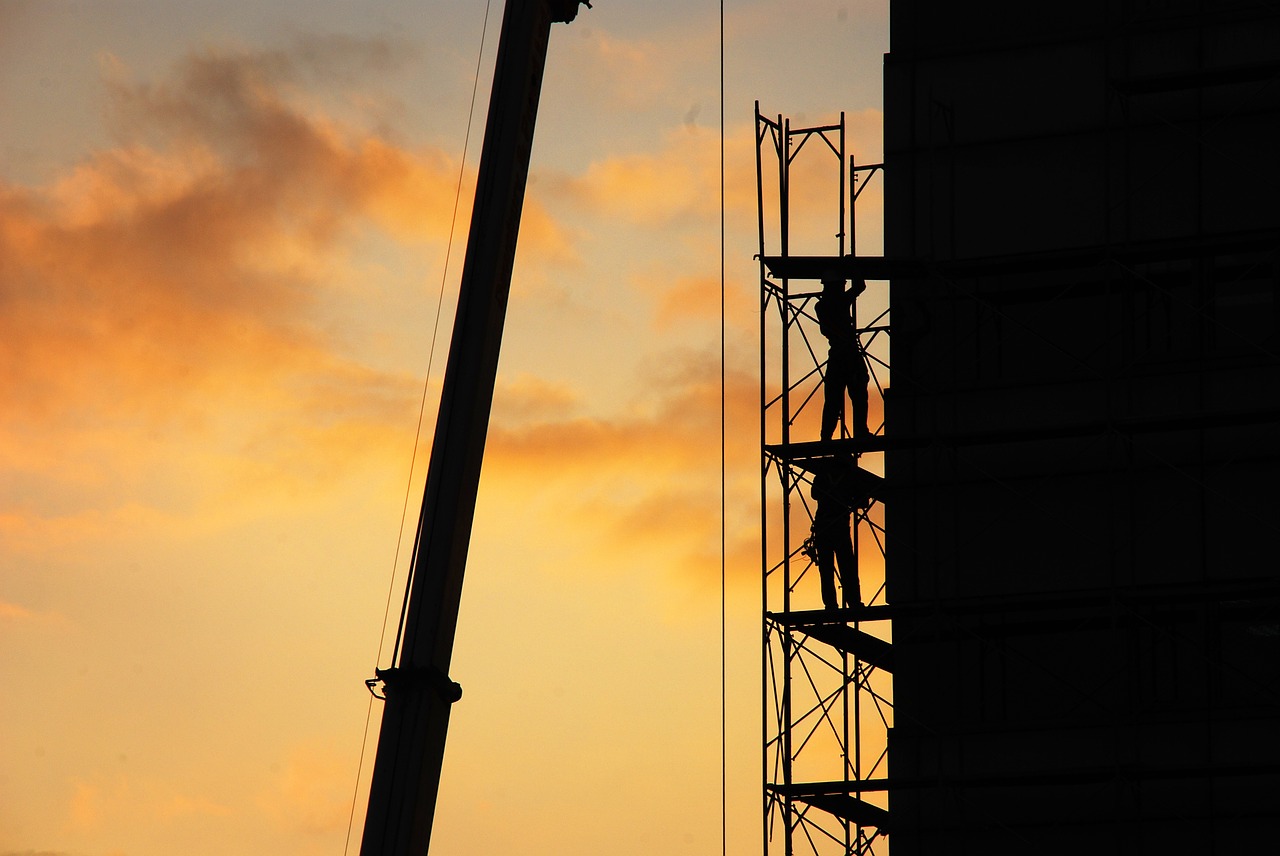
(448, 689)
(564, 11)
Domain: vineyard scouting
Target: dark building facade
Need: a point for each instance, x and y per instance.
(1085, 420)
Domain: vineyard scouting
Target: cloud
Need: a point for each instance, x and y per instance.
(13, 613)
(527, 398)
(679, 180)
(676, 184)
(311, 793)
(691, 296)
(634, 74)
(179, 805)
(162, 302)
(96, 804)
(674, 432)
(638, 490)
(288, 166)
(640, 487)
(697, 299)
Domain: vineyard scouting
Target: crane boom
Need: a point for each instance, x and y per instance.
(419, 693)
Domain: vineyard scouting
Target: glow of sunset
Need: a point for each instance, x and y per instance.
(223, 233)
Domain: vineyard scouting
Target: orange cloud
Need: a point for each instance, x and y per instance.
(677, 184)
(698, 299)
(311, 793)
(680, 181)
(528, 398)
(680, 430)
(163, 299)
(631, 74)
(16, 613)
(95, 804)
(643, 487)
(179, 805)
(640, 489)
(11, 611)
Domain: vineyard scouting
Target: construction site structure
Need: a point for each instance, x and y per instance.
(1084, 243)
(417, 690)
(827, 655)
(1079, 510)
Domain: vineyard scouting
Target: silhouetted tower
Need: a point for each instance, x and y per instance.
(826, 657)
(1083, 235)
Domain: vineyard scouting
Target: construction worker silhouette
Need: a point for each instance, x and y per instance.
(846, 368)
(838, 490)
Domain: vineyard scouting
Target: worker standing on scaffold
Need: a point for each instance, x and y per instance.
(846, 367)
(838, 492)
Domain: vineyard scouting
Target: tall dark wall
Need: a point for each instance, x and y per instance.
(1082, 537)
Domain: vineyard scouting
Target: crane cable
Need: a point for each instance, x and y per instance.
(724, 704)
(417, 434)
(435, 332)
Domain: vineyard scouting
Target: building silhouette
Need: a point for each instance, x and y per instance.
(1081, 204)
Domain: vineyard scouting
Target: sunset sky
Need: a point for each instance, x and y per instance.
(223, 232)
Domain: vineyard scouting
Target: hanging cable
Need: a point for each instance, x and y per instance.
(724, 702)
(435, 331)
(417, 437)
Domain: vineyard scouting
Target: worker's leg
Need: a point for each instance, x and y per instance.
(848, 569)
(859, 380)
(827, 574)
(833, 387)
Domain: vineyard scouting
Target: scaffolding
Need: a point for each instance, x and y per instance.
(1080, 445)
(827, 662)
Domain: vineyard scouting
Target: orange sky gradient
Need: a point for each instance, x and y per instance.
(223, 234)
